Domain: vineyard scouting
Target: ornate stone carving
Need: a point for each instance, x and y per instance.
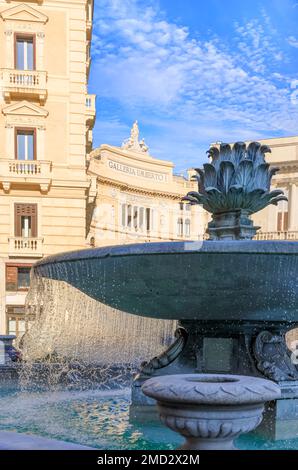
(133, 143)
(167, 357)
(6, 186)
(233, 186)
(273, 357)
(210, 410)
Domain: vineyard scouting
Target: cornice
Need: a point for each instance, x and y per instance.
(138, 190)
(129, 154)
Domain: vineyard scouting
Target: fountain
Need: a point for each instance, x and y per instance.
(234, 298)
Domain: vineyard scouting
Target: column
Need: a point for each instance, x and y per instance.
(293, 208)
(9, 49)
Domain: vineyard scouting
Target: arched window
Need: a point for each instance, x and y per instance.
(187, 228)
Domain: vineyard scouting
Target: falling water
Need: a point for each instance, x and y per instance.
(79, 341)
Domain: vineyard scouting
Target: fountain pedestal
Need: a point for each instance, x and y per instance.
(253, 348)
(210, 410)
(256, 348)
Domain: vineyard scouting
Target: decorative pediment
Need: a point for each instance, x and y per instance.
(24, 108)
(23, 12)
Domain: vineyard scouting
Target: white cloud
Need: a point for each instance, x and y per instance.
(155, 68)
(293, 41)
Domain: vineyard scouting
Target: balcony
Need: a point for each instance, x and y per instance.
(24, 83)
(36, 172)
(291, 235)
(90, 109)
(25, 247)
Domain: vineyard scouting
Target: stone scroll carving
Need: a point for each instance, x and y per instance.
(273, 357)
(167, 357)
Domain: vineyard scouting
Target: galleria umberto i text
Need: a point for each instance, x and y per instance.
(59, 194)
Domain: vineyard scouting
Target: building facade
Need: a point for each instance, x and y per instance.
(281, 222)
(139, 197)
(46, 120)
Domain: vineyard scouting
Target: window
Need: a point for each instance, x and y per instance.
(180, 227)
(187, 228)
(24, 277)
(25, 144)
(282, 215)
(17, 277)
(181, 206)
(188, 207)
(123, 215)
(24, 52)
(282, 221)
(129, 216)
(26, 220)
(148, 219)
(17, 322)
(137, 218)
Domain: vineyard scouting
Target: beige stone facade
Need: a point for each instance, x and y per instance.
(281, 222)
(139, 197)
(46, 120)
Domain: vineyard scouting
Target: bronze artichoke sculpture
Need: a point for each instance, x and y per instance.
(234, 185)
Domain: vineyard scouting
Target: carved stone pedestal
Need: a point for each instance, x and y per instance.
(210, 410)
(255, 348)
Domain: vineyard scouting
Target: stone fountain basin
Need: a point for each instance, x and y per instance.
(210, 280)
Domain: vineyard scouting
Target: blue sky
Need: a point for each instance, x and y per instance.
(194, 72)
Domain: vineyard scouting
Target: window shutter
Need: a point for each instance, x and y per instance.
(17, 220)
(29, 210)
(34, 224)
(11, 278)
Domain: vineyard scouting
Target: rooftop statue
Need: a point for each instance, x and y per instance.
(234, 185)
(133, 143)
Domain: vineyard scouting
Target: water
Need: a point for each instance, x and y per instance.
(79, 360)
(99, 419)
(83, 342)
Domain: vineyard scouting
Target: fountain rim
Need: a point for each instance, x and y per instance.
(261, 247)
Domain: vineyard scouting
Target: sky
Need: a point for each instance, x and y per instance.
(193, 72)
